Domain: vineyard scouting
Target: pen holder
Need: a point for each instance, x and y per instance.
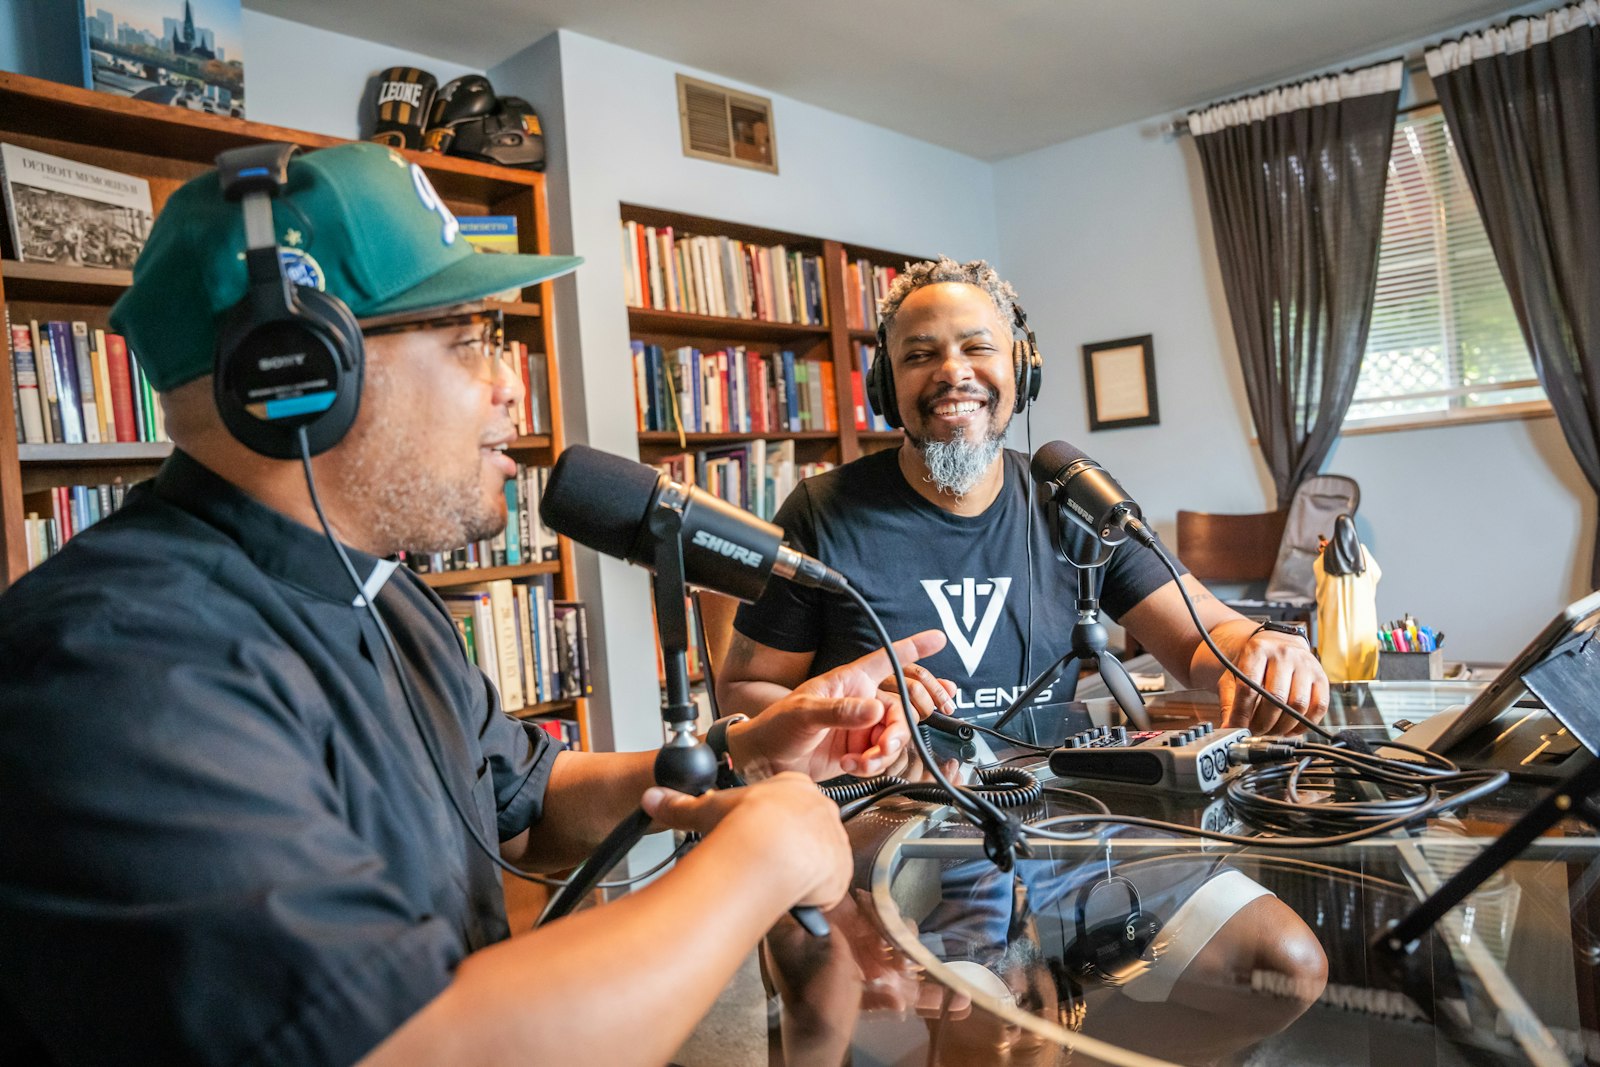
(1410, 666)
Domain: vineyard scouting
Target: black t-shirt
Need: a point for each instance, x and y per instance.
(920, 567)
(225, 841)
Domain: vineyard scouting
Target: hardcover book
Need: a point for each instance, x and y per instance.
(189, 53)
(492, 233)
(63, 211)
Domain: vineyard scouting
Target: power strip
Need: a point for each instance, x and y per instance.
(1182, 761)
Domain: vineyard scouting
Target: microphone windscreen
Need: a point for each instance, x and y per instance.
(598, 499)
(1053, 458)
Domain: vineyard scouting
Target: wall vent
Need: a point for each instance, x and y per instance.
(726, 126)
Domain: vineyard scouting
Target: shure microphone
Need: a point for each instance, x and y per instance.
(1091, 494)
(605, 502)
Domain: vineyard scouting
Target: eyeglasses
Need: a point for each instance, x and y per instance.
(487, 348)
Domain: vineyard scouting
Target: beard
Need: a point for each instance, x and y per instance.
(956, 465)
(410, 503)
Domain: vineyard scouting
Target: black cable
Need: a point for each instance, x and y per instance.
(1006, 787)
(411, 706)
(1001, 832)
(1491, 781)
(1270, 798)
(1018, 742)
(1137, 528)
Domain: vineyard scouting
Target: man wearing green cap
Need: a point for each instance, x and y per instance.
(241, 821)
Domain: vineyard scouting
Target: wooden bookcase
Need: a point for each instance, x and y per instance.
(166, 146)
(835, 343)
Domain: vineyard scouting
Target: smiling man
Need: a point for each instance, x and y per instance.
(938, 533)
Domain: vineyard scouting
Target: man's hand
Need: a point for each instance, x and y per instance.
(928, 693)
(784, 823)
(1283, 665)
(834, 723)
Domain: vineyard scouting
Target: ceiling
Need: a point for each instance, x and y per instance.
(989, 78)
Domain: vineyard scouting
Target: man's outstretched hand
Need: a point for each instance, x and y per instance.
(834, 723)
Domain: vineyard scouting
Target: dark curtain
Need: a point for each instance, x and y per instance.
(1526, 124)
(1297, 209)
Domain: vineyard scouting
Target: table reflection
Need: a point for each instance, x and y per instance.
(1135, 947)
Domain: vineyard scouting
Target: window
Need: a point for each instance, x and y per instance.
(1444, 341)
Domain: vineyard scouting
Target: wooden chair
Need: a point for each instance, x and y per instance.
(1230, 548)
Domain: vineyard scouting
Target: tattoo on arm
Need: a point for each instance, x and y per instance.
(1200, 597)
(741, 650)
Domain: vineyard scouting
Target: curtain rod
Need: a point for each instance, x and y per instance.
(1179, 127)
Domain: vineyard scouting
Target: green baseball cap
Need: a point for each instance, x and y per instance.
(358, 221)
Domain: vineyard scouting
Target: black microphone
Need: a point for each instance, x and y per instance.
(605, 502)
(1091, 494)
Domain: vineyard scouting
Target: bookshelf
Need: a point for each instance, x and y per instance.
(166, 146)
(835, 345)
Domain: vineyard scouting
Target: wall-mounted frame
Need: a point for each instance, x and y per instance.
(1119, 379)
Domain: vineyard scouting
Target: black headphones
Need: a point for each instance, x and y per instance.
(287, 355)
(1024, 357)
(1111, 950)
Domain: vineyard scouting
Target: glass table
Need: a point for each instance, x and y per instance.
(1137, 946)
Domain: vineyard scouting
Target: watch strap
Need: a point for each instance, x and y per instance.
(1277, 627)
(717, 742)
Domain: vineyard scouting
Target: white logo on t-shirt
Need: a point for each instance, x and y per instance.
(969, 635)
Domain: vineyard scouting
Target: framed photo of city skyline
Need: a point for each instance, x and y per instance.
(189, 53)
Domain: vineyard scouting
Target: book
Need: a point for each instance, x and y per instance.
(64, 365)
(102, 384)
(478, 607)
(492, 233)
(84, 364)
(508, 655)
(187, 55)
(63, 211)
(25, 375)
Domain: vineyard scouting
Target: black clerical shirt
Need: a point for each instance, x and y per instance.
(224, 840)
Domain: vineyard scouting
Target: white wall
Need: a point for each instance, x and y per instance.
(617, 128)
(311, 79)
(1483, 531)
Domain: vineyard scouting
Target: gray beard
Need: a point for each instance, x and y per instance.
(955, 466)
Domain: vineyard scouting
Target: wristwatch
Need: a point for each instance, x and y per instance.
(717, 742)
(1282, 628)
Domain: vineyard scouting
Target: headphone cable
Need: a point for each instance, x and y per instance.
(416, 714)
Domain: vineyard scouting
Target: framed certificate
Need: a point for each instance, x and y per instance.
(1119, 379)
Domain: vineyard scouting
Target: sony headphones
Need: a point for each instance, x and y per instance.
(1111, 950)
(1024, 357)
(288, 356)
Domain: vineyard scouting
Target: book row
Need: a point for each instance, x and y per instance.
(73, 509)
(733, 390)
(864, 285)
(532, 416)
(757, 475)
(526, 539)
(714, 275)
(73, 384)
(564, 730)
(866, 418)
(533, 647)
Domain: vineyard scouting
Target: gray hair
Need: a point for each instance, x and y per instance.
(944, 269)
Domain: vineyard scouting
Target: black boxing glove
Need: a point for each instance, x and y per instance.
(401, 106)
(467, 97)
(511, 136)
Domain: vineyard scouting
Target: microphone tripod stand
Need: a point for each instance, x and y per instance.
(1087, 644)
(684, 762)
